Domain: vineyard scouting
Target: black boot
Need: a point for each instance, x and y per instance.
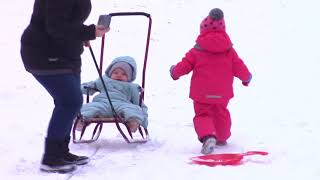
(53, 160)
(72, 158)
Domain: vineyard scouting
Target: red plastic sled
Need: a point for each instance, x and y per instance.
(224, 159)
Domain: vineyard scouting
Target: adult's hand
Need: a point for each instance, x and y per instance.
(101, 30)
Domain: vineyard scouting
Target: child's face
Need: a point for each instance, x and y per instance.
(119, 75)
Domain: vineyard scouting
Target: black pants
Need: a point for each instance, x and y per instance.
(66, 93)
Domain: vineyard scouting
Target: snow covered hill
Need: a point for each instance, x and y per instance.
(277, 113)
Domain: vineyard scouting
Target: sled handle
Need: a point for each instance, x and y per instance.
(130, 14)
(146, 48)
(249, 153)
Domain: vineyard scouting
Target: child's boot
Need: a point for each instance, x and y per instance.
(208, 145)
(80, 125)
(133, 125)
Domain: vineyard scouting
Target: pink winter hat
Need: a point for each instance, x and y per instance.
(214, 21)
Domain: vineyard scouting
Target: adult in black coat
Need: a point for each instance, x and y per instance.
(51, 48)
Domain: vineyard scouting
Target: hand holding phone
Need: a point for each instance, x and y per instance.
(104, 20)
(103, 25)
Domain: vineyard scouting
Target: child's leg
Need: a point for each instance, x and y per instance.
(133, 116)
(203, 123)
(91, 110)
(94, 109)
(86, 111)
(222, 122)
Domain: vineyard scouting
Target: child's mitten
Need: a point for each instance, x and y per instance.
(246, 83)
(171, 71)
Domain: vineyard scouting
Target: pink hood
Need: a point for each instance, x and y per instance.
(214, 41)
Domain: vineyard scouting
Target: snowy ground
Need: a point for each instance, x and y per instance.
(277, 113)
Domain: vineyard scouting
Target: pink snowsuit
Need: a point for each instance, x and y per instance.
(214, 63)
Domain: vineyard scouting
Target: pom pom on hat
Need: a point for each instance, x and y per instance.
(216, 14)
(213, 22)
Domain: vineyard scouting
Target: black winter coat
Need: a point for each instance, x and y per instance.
(53, 41)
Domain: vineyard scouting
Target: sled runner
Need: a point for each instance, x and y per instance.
(97, 123)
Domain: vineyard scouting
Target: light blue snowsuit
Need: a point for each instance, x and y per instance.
(124, 96)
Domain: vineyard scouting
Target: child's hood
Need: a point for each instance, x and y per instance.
(214, 41)
(128, 59)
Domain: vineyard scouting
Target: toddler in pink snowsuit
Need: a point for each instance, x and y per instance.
(214, 63)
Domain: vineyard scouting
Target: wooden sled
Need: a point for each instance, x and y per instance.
(78, 136)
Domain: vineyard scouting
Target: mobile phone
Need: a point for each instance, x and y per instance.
(104, 20)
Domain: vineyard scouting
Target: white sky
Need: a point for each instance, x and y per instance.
(277, 113)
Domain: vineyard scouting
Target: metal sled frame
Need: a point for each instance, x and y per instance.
(116, 119)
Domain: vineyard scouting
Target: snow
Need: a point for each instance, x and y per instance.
(277, 113)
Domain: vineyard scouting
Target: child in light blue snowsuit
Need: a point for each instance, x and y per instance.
(124, 94)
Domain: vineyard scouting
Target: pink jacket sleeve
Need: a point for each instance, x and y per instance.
(240, 70)
(185, 66)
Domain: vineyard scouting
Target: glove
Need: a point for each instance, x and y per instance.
(246, 83)
(171, 71)
(87, 88)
